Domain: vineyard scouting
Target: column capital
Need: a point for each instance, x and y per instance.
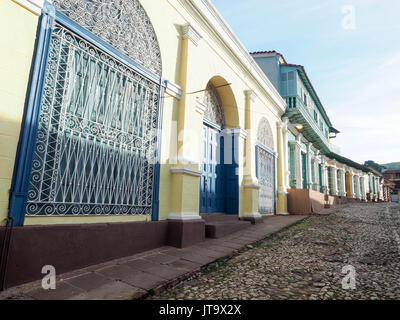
(284, 124)
(250, 182)
(188, 32)
(173, 89)
(35, 6)
(250, 94)
(285, 120)
(298, 138)
(295, 143)
(200, 107)
(331, 165)
(238, 131)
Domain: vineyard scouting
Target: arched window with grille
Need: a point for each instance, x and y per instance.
(94, 114)
(265, 158)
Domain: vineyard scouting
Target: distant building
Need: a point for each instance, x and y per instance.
(125, 125)
(394, 177)
(313, 170)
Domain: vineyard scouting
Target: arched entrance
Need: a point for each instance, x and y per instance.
(265, 158)
(94, 144)
(219, 180)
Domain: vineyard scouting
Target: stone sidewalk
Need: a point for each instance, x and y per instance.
(136, 276)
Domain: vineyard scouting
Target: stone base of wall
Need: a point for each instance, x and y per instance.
(184, 233)
(70, 247)
(305, 201)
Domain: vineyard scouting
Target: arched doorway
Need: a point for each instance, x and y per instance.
(94, 143)
(265, 158)
(219, 180)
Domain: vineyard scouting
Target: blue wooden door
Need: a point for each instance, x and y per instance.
(211, 184)
(231, 178)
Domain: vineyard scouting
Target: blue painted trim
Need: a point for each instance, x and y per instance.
(24, 157)
(104, 46)
(157, 166)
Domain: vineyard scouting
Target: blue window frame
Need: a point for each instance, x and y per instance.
(65, 141)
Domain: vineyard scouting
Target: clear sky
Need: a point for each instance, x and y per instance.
(354, 64)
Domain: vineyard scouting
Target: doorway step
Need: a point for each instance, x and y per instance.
(219, 224)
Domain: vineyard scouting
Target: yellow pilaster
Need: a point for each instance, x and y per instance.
(281, 207)
(250, 181)
(17, 40)
(250, 153)
(349, 185)
(186, 173)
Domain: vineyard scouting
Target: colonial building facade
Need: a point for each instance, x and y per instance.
(122, 123)
(312, 170)
(392, 183)
(125, 123)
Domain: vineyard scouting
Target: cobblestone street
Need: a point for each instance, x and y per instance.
(305, 261)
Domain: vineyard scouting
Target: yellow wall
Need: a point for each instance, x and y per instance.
(210, 59)
(17, 39)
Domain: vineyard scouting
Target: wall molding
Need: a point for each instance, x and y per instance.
(184, 216)
(251, 186)
(200, 107)
(250, 94)
(207, 11)
(188, 32)
(241, 132)
(173, 89)
(252, 215)
(187, 171)
(34, 6)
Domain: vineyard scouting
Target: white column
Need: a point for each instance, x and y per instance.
(379, 192)
(333, 172)
(357, 186)
(309, 170)
(342, 186)
(362, 186)
(344, 191)
(286, 171)
(325, 183)
(370, 190)
(296, 145)
(292, 164)
(316, 170)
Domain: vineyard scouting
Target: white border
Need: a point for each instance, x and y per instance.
(34, 6)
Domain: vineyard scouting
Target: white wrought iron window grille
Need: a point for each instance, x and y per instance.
(124, 24)
(265, 168)
(97, 134)
(214, 111)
